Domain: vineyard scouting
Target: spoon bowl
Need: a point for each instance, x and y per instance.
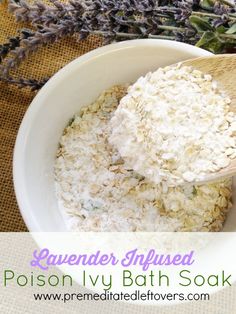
(222, 68)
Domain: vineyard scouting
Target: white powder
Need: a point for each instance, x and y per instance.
(100, 193)
(175, 125)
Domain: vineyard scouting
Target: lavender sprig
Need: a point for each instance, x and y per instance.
(34, 42)
(12, 44)
(22, 83)
(208, 24)
(39, 13)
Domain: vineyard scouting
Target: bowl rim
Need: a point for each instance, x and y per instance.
(31, 112)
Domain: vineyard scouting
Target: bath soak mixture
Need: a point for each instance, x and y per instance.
(175, 126)
(100, 192)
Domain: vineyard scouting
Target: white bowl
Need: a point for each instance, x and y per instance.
(77, 84)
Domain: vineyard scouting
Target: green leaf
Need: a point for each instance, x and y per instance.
(200, 24)
(120, 13)
(207, 4)
(221, 29)
(232, 29)
(205, 39)
(210, 41)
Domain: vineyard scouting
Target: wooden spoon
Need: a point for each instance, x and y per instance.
(223, 70)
